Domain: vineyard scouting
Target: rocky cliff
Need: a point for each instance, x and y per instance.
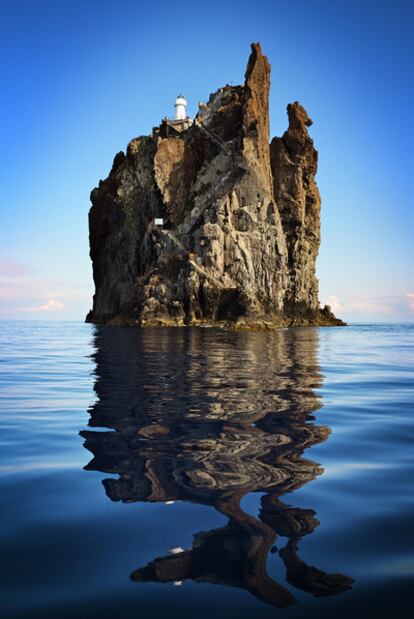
(241, 219)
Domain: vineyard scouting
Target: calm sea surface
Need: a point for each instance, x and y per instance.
(197, 473)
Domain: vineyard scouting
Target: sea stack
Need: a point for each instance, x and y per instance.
(204, 222)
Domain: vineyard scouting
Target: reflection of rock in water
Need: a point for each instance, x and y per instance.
(210, 416)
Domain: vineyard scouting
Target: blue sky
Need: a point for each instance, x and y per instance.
(80, 79)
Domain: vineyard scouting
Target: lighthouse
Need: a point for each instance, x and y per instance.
(171, 126)
(180, 108)
(181, 122)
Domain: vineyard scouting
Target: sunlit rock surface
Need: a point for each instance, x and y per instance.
(241, 217)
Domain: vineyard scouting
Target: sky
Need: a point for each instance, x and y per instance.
(80, 79)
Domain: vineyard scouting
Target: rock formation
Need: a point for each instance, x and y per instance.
(241, 220)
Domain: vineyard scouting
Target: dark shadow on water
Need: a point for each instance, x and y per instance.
(207, 416)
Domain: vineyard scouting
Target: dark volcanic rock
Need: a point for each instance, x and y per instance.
(241, 228)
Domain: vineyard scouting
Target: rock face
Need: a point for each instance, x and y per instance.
(241, 220)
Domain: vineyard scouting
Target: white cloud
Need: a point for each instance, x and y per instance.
(410, 297)
(52, 305)
(363, 306)
(26, 295)
(334, 304)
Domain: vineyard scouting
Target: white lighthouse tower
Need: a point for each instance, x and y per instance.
(180, 108)
(181, 122)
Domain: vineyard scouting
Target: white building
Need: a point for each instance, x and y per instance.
(181, 122)
(180, 108)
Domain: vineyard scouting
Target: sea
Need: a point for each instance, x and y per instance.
(199, 473)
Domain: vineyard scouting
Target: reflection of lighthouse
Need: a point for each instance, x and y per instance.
(180, 108)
